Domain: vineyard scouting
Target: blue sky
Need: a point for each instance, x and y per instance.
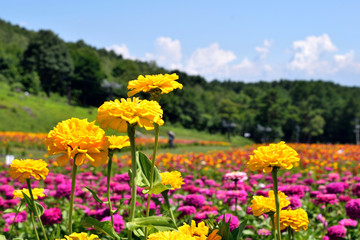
(238, 40)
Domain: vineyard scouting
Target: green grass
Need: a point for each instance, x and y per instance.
(36, 113)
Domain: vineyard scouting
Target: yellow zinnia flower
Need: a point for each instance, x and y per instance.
(118, 142)
(173, 178)
(170, 235)
(186, 232)
(78, 137)
(80, 236)
(37, 192)
(25, 169)
(116, 114)
(166, 83)
(199, 232)
(274, 155)
(261, 204)
(296, 219)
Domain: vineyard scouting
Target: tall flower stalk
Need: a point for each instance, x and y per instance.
(131, 134)
(111, 154)
(116, 142)
(35, 208)
(24, 170)
(277, 202)
(270, 159)
(271, 214)
(152, 174)
(73, 183)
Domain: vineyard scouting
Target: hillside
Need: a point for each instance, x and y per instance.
(75, 73)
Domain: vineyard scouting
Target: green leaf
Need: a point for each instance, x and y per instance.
(238, 232)
(2, 237)
(95, 196)
(143, 171)
(224, 230)
(28, 202)
(158, 188)
(9, 210)
(104, 227)
(40, 208)
(139, 232)
(160, 223)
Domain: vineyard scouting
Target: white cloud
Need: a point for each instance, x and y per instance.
(211, 60)
(309, 54)
(167, 53)
(345, 59)
(264, 50)
(120, 50)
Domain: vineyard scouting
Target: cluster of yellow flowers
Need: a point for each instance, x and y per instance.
(85, 142)
(187, 232)
(270, 159)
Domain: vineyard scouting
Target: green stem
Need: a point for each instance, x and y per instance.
(12, 225)
(289, 233)
(292, 232)
(111, 153)
(273, 225)
(166, 198)
(33, 222)
(73, 182)
(277, 202)
(131, 135)
(35, 209)
(152, 173)
(236, 200)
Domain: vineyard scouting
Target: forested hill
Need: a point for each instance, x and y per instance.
(307, 111)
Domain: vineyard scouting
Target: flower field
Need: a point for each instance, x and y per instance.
(323, 183)
(297, 191)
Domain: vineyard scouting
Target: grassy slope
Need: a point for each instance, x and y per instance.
(40, 114)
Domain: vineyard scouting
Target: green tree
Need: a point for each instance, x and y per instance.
(49, 57)
(87, 77)
(315, 127)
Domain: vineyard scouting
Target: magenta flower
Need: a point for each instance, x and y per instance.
(194, 200)
(51, 216)
(352, 208)
(234, 221)
(348, 222)
(326, 199)
(335, 187)
(336, 232)
(119, 223)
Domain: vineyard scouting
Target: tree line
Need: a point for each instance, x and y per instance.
(298, 110)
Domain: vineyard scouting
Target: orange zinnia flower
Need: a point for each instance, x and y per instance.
(274, 155)
(166, 83)
(75, 137)
(25, 169)
(117, 114)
